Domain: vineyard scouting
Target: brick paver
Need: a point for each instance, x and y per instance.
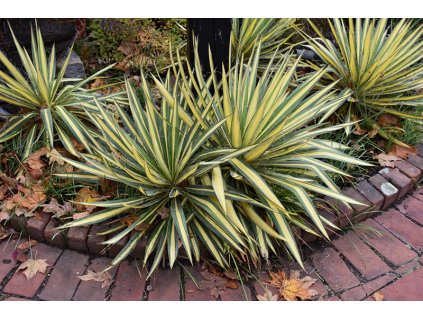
(333, 270)
(413, 208)
(129, 282)
(371, 194)
(385, 243)
(165, 285)
(7, 262)
(92, 290)
(70, 265)
(356, 293)
(408, 169)
(398, 179)
(378, 283)
(360, 255)
(402, 228)
(193, 288)
(19, 285)
(407, 288)
(389, 191)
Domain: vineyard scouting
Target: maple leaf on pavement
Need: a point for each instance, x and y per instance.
(32, 267)
(103, 277)
(293, 287)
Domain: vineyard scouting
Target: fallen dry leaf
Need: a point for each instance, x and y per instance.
(401, 151)
(378, 296)
(163, 212)
(4, 232)
(388, 120)
(103, 277)
(33, 266)
(25, 201)
(386, 160)
(215, 283)
(30, 198)
(26, 245)
(88, 195)
(55, 157)
(293, 287)
(96, 84)
(267, 296)
(4, 215)
(127, 47)
(57, 209)
(35, 164)
(3, 191)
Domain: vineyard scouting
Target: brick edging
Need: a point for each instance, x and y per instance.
(378, 192)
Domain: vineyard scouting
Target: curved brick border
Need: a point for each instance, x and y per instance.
(377, 193)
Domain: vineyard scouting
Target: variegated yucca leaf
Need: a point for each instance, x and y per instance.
(50, 104)
(286, 161)
(382, 67)
(274, 34)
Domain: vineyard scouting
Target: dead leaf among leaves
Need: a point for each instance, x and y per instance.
(103, 277)
(401, 151)
(32, 267)
(217, 282)
(378, 296)
(292, 287)
(387, 120)
(386, 160)
(25, 201)
(55, 157)
(57, 209)
(35, 164)
(88, 195)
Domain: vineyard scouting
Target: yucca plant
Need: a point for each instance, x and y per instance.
(281, 126)
(49, 103)
(164, 160)
(381, 66)
(274, 34)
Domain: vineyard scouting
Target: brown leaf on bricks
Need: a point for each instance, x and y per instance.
(103, 277)
(292, 287)
(32, 267)
(387, 160)
(401, 151)
(378, 296)
(26, 245)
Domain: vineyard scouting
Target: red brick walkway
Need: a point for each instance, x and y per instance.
(354, 267)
